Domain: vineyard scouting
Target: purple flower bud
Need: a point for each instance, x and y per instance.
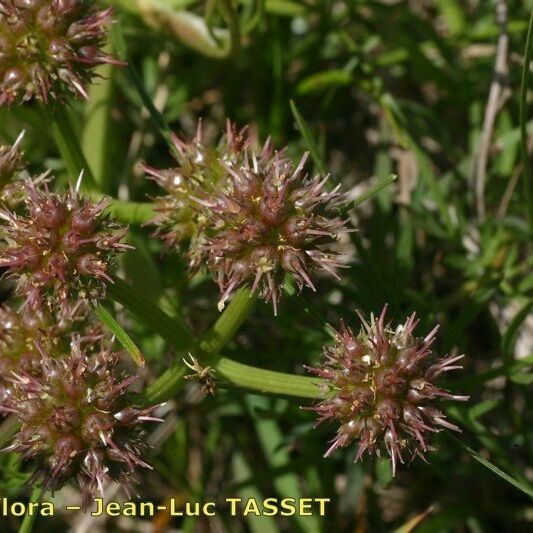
(67, 433)
(60, 248)
(380, 390)
(49, 48)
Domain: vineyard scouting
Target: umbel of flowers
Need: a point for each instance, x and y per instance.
(77, 420)
(60, 249)
(258, 216)
(380, 388)
(49, 48)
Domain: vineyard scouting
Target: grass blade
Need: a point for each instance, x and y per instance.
(379, 186)
(309, 141)
(29, 519)
(523, 117)
(526, 489)
(108, 320)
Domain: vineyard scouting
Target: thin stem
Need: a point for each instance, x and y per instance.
(371, 191)
(233, 374)
(523, 118)
(69, 146)
(240, 376)
(29, 519)
(229, 322)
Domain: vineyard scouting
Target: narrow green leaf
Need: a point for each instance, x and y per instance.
(308, 138)
(525, 488)
(171, 329)
(324, 80)
(108, 320)
(157, 117)
(242, 470)
(379, 186)
(69, 147)
(509, 338)
(97, 134)
(528, 178)
(29, 518)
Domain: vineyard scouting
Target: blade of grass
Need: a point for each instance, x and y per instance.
(108, 320)
(157, 118)
(96, 132)
(172, 330)
(523, 117)
(242, 470)
(308, 138)
(526, 489)
(29, 519)
(69, 146)
(379, 186)
(272, 442)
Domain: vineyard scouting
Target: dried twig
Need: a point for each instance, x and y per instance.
(494, 103)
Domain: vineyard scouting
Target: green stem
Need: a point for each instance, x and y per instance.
(69, 146)
(172, 330)
(229, 322)
(207, 349)
(240, 376)
(29, 519)
(233, 374)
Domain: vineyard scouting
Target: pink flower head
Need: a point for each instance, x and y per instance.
(380, 388)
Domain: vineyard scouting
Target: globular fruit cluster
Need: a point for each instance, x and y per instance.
(60, 249)
(380, 387)
(200, 168)
(49, 48)
(77, 421)
(271, 219)
(257, 216)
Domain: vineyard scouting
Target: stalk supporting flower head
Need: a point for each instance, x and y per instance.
(380, 387)
(49, 48)
(61, 249)
(77, 420)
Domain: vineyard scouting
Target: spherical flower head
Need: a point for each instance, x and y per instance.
(49, 48)
(60, 249)
(77, 421)
(200, 168)
(271, 219)
(380, 387)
